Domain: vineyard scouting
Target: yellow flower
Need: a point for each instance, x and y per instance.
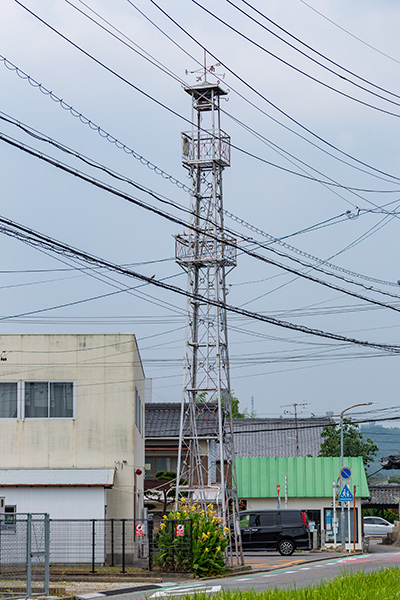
(162, 526)
(205, 536)
(214, 519)
(184, 513)
(202, 513)
(165, 517)
(178, 515)
(226, 529)
(193, 508)
(206, 549)
(210, 506)
(218, 548)
(183, 500)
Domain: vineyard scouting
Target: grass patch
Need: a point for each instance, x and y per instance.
(382, 585)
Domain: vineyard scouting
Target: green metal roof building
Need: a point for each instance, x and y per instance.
(307, 477)
(308, 482)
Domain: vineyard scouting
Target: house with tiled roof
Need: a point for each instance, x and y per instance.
(162, 441)
(279, 437)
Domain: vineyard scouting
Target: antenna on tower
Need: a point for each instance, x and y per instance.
(206, 456)
(201, 74)
(295, 406)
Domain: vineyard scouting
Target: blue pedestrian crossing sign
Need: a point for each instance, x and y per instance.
(345, 494)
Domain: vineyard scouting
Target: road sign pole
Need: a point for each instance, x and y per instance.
(334, 513)
(354, 518)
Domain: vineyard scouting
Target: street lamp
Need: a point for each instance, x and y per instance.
(342, 516)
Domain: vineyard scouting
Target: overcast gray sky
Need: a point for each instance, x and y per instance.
(285, 109)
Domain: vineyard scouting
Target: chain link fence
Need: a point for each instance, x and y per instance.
(32, 546)
(24, 555)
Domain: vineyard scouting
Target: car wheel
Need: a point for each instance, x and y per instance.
(286, 547)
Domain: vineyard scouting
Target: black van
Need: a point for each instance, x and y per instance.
(283, 530)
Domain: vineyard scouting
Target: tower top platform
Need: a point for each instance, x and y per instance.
(205, 90)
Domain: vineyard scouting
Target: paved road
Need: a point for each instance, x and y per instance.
(281, 572)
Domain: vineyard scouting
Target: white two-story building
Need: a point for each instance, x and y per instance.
(72, 425)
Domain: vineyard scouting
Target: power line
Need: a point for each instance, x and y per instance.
(320, 54)
(159, 171)
(167, 71)
(260, 95)
(175, 113)
(290, 65)
(351, 34)
(226, 241)
(167, 201)
(34, 238)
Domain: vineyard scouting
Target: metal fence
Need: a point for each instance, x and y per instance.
(24, 555)
(32, 547)
(122, 543)
(99, 542)
(171, 546)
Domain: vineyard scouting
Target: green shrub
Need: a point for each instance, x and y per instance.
(209, 541)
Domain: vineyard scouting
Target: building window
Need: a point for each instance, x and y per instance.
(154, 464)
(48, 399)
(37, 400)
(139, 420)
(8, 400)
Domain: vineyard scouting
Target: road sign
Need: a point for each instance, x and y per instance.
(345, 473)
(139, 530)
(180, 530)
(345, 494)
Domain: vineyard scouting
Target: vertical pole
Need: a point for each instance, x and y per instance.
(47, 554)
(342, 513)
(112, 542)
(348, 524)
(286, 490)
(93, 544)
(297, 431)
(191, 546)
(123, 545)
(354, 518)
(29, 555)
(150, 526)
(334, 513)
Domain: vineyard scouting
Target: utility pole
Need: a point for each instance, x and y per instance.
(295, 405)
(207, 466)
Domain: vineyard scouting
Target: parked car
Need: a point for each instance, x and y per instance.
(282, 530)
(376, 526)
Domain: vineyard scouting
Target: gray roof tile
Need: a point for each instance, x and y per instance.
(277, 437)
(163, 420)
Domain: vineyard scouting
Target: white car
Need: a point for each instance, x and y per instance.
(376, 526)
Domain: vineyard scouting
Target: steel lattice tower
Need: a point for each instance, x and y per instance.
(206, 454)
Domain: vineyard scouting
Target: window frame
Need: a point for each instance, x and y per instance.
(21, 413)
(16, 417)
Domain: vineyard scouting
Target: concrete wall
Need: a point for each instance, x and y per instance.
(104, 368)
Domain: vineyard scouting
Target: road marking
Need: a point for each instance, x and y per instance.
(244, 579)
(271, 575)
(187, 590)
(90, 596)
(304, 569)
